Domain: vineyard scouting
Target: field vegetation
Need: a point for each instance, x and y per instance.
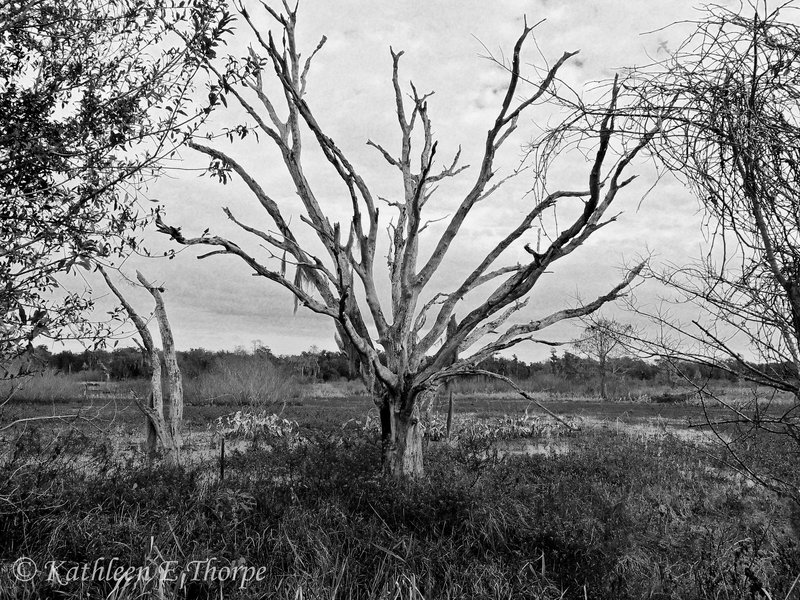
(632, 502)
(617, 516)
(259, 377)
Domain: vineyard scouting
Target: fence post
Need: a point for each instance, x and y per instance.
(222, 460)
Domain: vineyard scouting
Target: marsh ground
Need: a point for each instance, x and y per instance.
(637, 504)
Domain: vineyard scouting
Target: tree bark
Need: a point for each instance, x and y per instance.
(154, 417)
(449, 413)
(157, 430)
(386, 429)
(174, 378)
(403, 452)
(153, 409)
(603, 391)
(151, 435)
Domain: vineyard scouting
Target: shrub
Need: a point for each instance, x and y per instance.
(249, 425)
(501, 428)
(243, 380)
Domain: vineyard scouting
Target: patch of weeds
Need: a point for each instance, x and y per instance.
(252, 424)
(616, 517)
(493, 429)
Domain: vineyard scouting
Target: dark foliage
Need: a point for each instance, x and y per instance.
(615, 518)
(87, 112)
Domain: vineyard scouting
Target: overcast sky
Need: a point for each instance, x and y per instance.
(215, 303)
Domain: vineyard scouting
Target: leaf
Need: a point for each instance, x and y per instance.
(301, 279)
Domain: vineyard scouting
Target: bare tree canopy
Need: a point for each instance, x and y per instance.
(733, 135)
(400, 337)
(92, 98)
(603, 339)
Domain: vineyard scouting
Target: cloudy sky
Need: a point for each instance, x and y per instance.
(216, 303)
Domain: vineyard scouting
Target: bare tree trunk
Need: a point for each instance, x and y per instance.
(452, 328)
(603, 391)
(449, 413)
(154, 415)
(157, 429)
(404, 460)
(385, 410)
(174, 379)
(151, 435)
(153, 408)
(401, 438)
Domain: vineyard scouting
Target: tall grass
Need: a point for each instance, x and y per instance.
(43, 387)
(232, 379)
(558, 386)
(617, 517)
(51, 386)
(240, 379)
(619, 388)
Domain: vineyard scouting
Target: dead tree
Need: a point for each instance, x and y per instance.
(452, 327)
(401, 345)
(160, 430)
(731, 134)
(603, 339)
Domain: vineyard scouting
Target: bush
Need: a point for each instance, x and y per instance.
(501, 428)
(50, 386)
(252, 425)
(243, 380)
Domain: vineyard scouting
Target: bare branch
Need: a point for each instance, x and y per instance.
(486, 170)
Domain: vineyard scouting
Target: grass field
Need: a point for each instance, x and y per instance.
(629, 506)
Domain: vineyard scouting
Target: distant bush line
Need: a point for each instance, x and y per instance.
(260, 377)
(326, 365)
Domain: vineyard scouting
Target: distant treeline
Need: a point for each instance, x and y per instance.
(571, 367)
(325, 365)
(127, 363)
